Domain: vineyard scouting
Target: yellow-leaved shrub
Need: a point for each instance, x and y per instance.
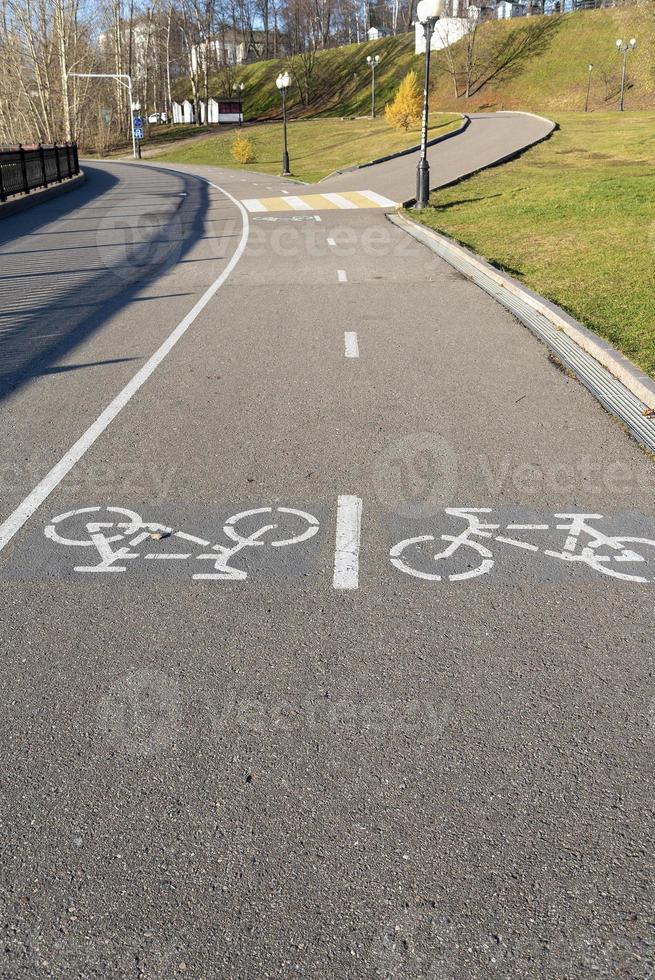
(406, 108)
(243, 149)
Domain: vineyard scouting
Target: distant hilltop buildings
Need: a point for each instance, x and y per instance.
(460, 15)
(229, 47)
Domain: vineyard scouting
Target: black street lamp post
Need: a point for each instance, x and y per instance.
(624, 47)
(373, 63)
(428, 13)
(283, 81)
(586, 104)
(239, 87)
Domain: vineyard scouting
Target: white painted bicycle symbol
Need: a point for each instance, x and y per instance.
(116, 537)
(608, 554)
(119, 535)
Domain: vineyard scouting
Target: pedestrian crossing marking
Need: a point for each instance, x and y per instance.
(362, 200)
(342, 202)
(298, 203)
(318, 202)
(346, 201)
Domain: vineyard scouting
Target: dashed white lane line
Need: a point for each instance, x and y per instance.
(347, 543)
(42, 490)
(331, 242)
(341, 275)
(351, 344)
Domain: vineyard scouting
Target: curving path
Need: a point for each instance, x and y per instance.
(490, 138)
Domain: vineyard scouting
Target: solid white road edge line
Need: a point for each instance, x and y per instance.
(347, 541)
(42, 490)
(351, 344)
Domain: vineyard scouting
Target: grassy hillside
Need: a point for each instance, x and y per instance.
(340, 82)
(316, 146)
(572, 218)
(550, 74)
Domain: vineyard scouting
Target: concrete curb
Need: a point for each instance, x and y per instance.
(466, 122)
(641, 386)
(27, 201)
(513, 155)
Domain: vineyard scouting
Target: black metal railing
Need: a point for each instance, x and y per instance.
(25, 168)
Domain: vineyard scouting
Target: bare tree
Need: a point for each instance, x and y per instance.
(303, 66)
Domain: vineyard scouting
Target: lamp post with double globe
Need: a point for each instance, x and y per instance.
(283, 81)
(373, 62)
(624, 48)
(586, 103)
(428, 13)
(238, 87)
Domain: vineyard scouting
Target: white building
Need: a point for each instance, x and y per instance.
(447, 31)
(220, 111)
(454, 26)
(507, 9)
(139, 47)
(184, 112)
(227, 48)
(375, 33)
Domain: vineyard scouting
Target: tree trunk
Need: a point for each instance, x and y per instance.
(60, 35)
(169, 96)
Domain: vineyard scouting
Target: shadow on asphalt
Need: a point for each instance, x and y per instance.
(69, 265)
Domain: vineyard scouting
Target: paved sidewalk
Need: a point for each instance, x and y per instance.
(490, 137)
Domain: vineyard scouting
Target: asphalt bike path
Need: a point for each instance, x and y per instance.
(90, 285)
(400, 726)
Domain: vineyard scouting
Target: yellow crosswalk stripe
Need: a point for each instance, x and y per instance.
(360, 200)
(280, 204)
(318, 202)
(346, 200)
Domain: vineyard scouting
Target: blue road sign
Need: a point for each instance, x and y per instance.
(138, 122)
(138, 133)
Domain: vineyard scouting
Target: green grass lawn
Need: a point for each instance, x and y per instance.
(574, 219)
(157, 134)
(316, 146)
